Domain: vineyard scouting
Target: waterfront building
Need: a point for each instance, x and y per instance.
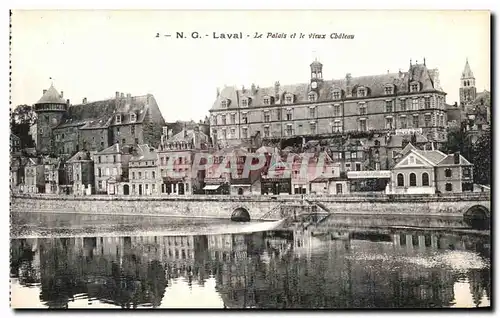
(176, 153)
(143, 172)
(111, 168)
(16, 172)
(34, 177)
(218, 178)
(429, 172)
(64, 129)
(15, 145)
(54, 174)
(324, 108)
(81, 175)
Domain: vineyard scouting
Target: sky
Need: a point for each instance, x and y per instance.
(93, 54)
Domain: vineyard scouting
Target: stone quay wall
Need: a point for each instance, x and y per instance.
(259, 207)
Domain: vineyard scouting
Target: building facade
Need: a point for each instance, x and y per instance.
(143, 172)
(65, 129)
(34, 177)
(380, 103)
(111, 169)
(82, 173)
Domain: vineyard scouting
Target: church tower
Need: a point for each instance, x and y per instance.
(50, 110)
(467, 86)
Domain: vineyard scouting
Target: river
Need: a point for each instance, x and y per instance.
(79, 261)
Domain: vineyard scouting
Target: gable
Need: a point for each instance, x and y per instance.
(413, 160)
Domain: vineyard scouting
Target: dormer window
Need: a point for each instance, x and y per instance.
(133, 117)
(389, 89)
(414, 87)
(362, 92)
(312, 97)
(289, 99)
(268, 100)
(118, 119)
(244, 102)
(224, 103)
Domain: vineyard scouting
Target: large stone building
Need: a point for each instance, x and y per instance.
(65, 129)
(381, 103)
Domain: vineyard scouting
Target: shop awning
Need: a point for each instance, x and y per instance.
(212, 187)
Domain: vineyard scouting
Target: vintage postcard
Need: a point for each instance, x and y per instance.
(250, 159)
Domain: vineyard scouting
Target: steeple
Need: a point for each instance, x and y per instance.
(467, 73)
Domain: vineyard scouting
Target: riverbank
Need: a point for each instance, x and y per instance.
(259, 207)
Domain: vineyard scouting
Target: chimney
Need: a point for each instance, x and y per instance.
(122, 95)
(456, 104)
(84, 101)
(129, 98)
(44, 91)
(62, 94)
(254, 89)
(456, 158)
(348, 88)
(117, 95)
(277, 89)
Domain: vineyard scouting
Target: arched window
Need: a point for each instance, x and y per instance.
(401, 180)
(413, 180)
(425, 179)
(447, 173)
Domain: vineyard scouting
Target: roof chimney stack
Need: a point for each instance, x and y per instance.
(456, 158)
(117, 95)
(84, 101)
(62, 94)
(44, 91)
(122, 95)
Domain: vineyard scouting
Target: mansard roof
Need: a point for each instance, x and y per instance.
(429, 79)
(51, 96)
(145, 153)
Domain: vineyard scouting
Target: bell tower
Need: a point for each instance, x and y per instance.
(467, 86)
(50, 110)
(316, 74)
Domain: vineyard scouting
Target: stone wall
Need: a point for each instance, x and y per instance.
(266, 207)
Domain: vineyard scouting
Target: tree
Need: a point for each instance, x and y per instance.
(21, 120)
(481, 159)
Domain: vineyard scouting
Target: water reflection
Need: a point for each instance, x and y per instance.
(284, 269)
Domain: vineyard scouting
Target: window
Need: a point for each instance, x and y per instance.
(114, 158)
(278, 114)
(99, 159)
(115, 171)
(427, 120)
(447, 173)
(388, 123)
(388, 106)
(136, 141)
(358, 166)
(401, 180)
(266, 117)
(361, 92)
(312, 97)
(244, 102)
(99, 172)
(425, 179)
(133, 118)
(266, 131)
(223, 103)
(146, 175)
(312, 126)
(267, 101)
(244, 118)
(427, 102)
(123, 141)
(448, 187)
(403, 104)
(362, 124)
(289, 130)
(244, 132)
(388, 90)
(403, 122)
(233, 118)
(354, 155)
(118, 119)
(312, 112)
(224, 119)
(133, 175)
(415, 121)
(153, 175)
(414, 104)
(362, 109)
(288, 99)
(233, 133)
(337, 126)
(289, 115)
(336, 110)
(413, 180)
(336, 95)
(414, 87)
(466, 173)
(107, 172)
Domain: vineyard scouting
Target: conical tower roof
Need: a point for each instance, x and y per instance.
(467, 73)
(51, 96)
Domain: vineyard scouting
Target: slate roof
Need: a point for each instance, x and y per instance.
(81, 155)
(51, 96)
(467, 72)
(449, 160)
(429, 78)
(102, 114)
(113, 149)
(434, 156)
(145, 153)
(187, 135)
(397, 140)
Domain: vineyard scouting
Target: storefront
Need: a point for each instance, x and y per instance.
(177, 186)
(276, 186)
(216, 186)
(369, 181)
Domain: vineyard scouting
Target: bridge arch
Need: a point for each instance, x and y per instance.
(477, 217)
(240, 215)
